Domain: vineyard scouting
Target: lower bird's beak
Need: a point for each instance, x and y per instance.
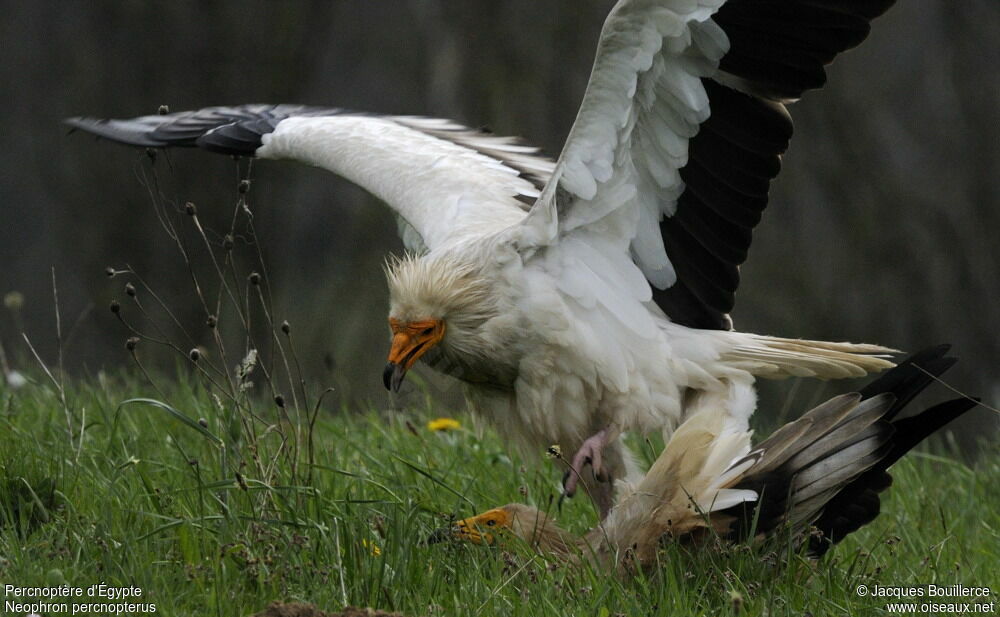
(410, 340)
(444, 534)
(479, 529)
(393, 376)
(459, 532)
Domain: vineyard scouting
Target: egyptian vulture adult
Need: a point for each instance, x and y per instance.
(590, 295)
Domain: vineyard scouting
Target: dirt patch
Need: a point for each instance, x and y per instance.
(301, 609)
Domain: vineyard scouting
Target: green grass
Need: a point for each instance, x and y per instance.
(141, 498)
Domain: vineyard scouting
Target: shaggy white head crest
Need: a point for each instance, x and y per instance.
(444, 287)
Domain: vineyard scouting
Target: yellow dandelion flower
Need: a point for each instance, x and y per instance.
(443, 424)
(553, 451)
(372, 547)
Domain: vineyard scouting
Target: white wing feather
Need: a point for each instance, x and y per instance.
(594, 228)
(446, 191)
(619, 169)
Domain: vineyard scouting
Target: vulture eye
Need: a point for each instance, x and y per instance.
(428, 331)
(491, 523)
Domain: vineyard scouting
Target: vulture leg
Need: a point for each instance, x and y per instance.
(591, 453)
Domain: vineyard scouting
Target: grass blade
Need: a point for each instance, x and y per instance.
(176, 414)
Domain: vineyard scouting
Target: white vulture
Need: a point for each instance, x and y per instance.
(591, 295)
(814, 481)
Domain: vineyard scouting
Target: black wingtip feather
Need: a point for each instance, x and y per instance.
(910, 376)
(868, 9)
(120, 131)
(233, 130)
(858, 503)
(712, 280)
(912, 430)
(732, 160)
(778, 49)
(725, 202)
(720, 237)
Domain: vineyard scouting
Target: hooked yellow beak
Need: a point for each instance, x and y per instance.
(410, 340)
(480, 529)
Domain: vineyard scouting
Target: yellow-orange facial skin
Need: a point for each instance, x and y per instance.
(410, 340)
(483, 528)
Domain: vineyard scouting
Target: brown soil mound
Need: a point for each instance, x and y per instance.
(300, 609)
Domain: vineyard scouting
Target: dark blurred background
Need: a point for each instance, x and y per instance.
(881, 226)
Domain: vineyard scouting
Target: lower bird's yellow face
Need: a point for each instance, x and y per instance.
(483, 528)
(410, 340)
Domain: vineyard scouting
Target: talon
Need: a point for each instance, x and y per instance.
(569, 482)
(590, 455)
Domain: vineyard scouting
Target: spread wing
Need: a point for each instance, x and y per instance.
(680, 132)
(446, 182)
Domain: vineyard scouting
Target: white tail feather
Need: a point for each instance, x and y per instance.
(776, 358)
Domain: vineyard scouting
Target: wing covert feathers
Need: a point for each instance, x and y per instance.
(813, 481)
(691, 477)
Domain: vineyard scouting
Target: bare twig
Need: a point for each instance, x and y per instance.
(957, 391)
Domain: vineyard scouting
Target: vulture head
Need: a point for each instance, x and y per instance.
(514, 519)
(438, 303)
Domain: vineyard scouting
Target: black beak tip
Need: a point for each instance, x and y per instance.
(392, 376)
(439, 535)
(387, 376)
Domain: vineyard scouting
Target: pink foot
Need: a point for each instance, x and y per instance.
(588, 454)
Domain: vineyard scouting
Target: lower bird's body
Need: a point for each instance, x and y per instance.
(823, 472)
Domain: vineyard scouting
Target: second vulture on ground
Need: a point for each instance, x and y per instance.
(814, 481)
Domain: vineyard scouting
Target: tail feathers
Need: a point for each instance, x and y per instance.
(777, 358)
(810, 467)
(794, 437)
(828, 467)
(856, 427)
